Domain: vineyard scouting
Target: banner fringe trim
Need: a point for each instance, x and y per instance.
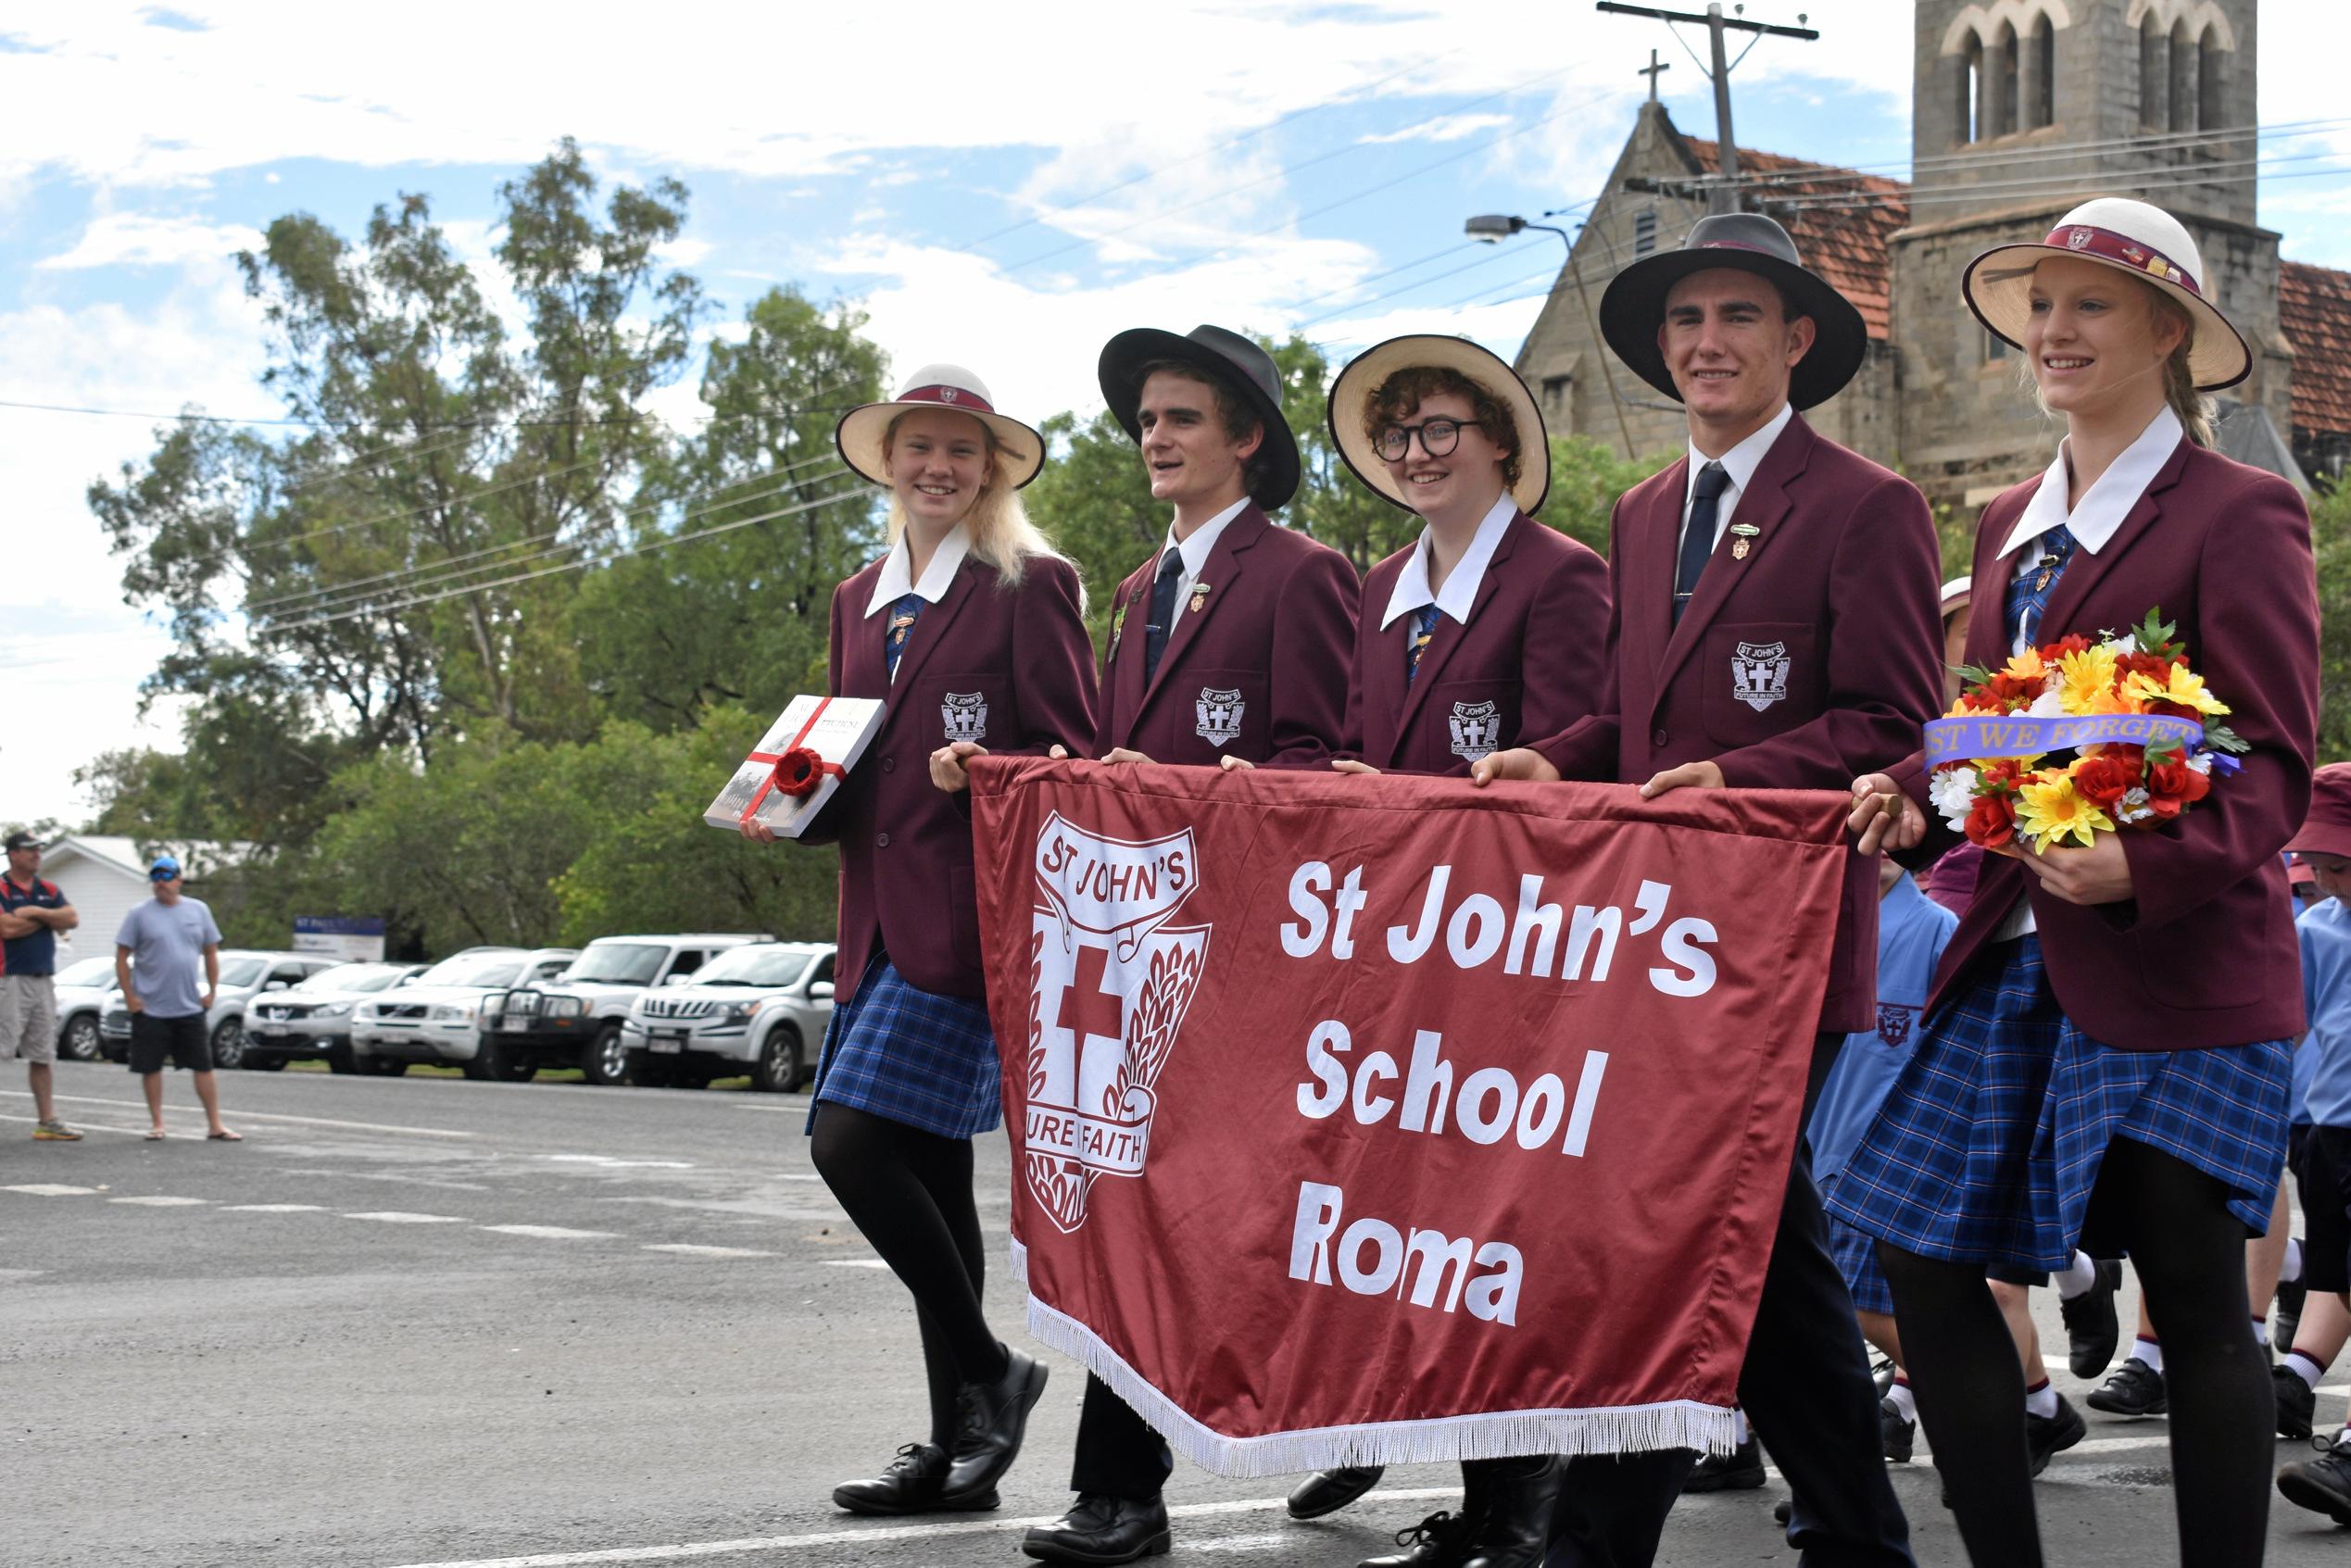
(1679, 1424)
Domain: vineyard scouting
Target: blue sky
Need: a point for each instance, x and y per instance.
(1273, 168)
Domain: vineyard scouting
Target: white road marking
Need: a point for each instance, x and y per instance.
(686, 1250)
(265, 1116)
(855, 1263)
(276, 1208)
(610, 1162)
(551, 1232)
(163, 1203)
(51, 1189)
(80, 1126)
(398, 1217)
(679, 1552)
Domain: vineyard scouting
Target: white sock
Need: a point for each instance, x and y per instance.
(2150, 1353)
(1906, 1403)
(2292, 1273)
(2261, 1332)
(2305, 1366)
(2077, 1277)
(1738, 1426)
(2041, 1401)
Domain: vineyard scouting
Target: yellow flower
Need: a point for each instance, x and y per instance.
(2085, 677)
(2026, 665)
(2049, 811)
(2182, 685)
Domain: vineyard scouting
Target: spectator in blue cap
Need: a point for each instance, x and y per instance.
(166, 941)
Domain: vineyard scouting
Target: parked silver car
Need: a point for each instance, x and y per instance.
(84, 988)
(312, 1020)
(759, 1009)
(245, 972)
(578, 1021)
(438, 1016)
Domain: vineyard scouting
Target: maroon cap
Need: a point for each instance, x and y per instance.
(2327, 830)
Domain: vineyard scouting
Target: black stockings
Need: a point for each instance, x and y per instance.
(2189, 1251)
(910, 1192)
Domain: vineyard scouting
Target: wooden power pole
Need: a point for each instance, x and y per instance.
(1725, 195)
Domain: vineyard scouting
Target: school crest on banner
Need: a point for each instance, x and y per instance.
(1111, 980)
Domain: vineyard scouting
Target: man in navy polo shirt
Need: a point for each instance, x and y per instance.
(31, 913)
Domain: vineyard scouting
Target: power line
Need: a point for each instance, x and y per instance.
(1801, 173)
(2212, 175)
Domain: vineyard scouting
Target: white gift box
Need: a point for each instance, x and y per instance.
(835, 729)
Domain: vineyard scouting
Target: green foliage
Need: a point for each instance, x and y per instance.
(2330, 538)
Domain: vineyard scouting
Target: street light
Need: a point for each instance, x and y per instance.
(1492, 227)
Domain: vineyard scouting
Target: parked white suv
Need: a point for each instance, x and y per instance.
(578, 1022)
(760, 1010)
(312, 1020)
(438, 1016)
(245, 972)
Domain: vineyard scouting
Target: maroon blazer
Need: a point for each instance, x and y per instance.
(2205, 954)
(1011, 669)
(1811, 661)
(1528, 663)
(1258, 671)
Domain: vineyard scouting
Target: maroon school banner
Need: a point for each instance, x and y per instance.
(1384, 1120)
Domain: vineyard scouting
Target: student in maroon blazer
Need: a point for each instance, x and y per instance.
(1773, 621)
(1255, 665)
(1486, 629)
(2106, 1064)
(1228, 648)
(971, 632)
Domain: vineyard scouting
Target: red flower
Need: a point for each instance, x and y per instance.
(2173, 786)
(2153, 666)
(796, 772)
(2103, 778)
(1992, 821)
(2071, 643)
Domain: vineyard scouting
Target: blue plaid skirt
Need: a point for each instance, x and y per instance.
(911, 1056)
(1989, 1143)
(1856, 1256)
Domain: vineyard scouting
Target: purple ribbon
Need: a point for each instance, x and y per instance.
(2018, 734)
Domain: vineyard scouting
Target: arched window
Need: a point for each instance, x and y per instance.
(2045, 73)
(1974, 123)
(2154, 74)
(2184, 61)
(2212, 66)
(2003, 118)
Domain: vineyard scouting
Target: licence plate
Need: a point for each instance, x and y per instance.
(667, 1045)
(515, 1025)
(268, 1031)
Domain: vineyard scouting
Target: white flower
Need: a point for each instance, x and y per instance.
(2050, 704)
(2201, 762)
(2134, 806)
(2127, 642)
(1952, 793)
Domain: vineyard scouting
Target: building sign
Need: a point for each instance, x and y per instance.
(357, 938)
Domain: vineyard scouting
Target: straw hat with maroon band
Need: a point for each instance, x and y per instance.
(1351, 392)
(861, 434)
(2129, 236)
(2327, 830)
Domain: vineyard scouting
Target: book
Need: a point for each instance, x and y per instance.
(828, 734)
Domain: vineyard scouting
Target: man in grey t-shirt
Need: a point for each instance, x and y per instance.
(168, 941)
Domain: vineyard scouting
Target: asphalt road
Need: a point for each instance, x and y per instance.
(416, 1323)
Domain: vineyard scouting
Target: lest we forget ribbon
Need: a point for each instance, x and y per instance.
(1382, 1119)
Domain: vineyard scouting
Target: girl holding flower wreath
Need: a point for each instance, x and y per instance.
(2105, 1062)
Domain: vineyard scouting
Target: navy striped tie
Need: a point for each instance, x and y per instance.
(1424, 628)
(2028, 595)
(903, 615)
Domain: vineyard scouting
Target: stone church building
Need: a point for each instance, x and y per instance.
(2020, 109)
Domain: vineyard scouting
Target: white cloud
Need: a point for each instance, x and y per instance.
(1443, 128)
(119, 239)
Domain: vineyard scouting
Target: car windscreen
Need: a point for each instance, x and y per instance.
(618, 963)
(89, 971)
(758, 965)
(475, 968)
(243, 971)
(352, 977)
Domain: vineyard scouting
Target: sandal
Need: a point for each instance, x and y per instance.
(155, 1134)
(224, 1136)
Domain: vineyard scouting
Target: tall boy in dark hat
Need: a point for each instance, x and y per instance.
(1232, 641)
(1774, 625)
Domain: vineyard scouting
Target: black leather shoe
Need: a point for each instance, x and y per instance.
(914, 1483)
(1898, 1435)
(1102, 1529)
(1435, 1542)
(2323, 1485)
(1513, 1526)
(1327, 1491)
(2092, 1330)
(992, 1417)
(2049, 1435)
(2297, 1402)
(2135, 1388)
(1741, 1470)
(1783, 1511)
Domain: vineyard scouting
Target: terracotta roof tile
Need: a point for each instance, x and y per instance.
(2314, 310)
(1848, 245)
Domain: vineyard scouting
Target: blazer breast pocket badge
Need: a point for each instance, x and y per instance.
(1477, 730)
(1759, 675)
(1219, 715)
(965, 715)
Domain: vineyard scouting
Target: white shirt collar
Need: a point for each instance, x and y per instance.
(2106, 504)
(1741, 461)
(1461, 584)
(938, 577)
(1195, 549)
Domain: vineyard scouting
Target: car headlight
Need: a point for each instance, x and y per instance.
(333, 1009)
(454, 1012)
(738, 1010)
(565, 1007)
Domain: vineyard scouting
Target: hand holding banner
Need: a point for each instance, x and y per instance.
(1382, 1119)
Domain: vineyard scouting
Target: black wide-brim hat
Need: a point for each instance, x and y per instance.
(1634, 304)
(1225, 357)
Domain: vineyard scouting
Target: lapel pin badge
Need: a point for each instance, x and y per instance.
(1199, 596)
(1742, 533)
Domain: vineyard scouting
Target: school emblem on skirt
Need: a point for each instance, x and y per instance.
(1759, 675)
(1219, 714)
(1477, 730)
(965, 714)
(1111, 980)
(1893, 1022)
